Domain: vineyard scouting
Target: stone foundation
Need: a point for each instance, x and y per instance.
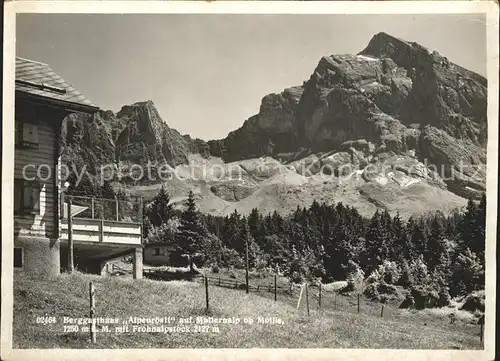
(40, 256)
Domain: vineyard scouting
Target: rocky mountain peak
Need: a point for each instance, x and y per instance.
(395, 104)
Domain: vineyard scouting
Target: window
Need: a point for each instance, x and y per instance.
(18, 257)
(26, 135)
(156, 252)
(26, 197)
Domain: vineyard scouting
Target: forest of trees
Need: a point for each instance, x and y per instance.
(442, 255)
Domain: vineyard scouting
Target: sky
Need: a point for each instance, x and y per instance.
(207, 74)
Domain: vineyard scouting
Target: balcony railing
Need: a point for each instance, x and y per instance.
(119, 210)
(101, 220)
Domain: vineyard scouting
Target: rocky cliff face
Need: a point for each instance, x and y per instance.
(396, 105)
(135, 135)
(397, 96)
(272, 131)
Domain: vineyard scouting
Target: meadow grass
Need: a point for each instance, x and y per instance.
(68, 295)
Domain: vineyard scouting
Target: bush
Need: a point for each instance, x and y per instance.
(355, 277)
(371, 292)
(444, 297)
(425, 297)
(215, 268)
(382, 292)
(408, 302)
(231, 258)
(406, 278)
(474, 302)
(388, 272)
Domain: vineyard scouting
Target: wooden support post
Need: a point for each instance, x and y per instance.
(137, 267)
(71, 265)
(358, 302)
(319, 298)
(275, 287)
(92, 207)
(246, 266)
(61, 204)
(382, 311)
(101, 230)
(141, 210)
(117, 208)
(300, 296)
(219, 281)
(206, 292)
(92, 312)
(307, 298)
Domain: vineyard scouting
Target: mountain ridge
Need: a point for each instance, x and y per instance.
(394, 102)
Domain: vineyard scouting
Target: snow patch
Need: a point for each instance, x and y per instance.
(411, 182)
(382, 180)
(368, 58)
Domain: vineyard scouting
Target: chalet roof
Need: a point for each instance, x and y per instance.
(39, 80)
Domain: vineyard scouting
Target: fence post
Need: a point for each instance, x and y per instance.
(92, 312)
(300, 296)
(275, 288)
(206, 291)
(334, 300)
(481, 332)
(92, 207)
(117, 209)
(246, 266)
(382, 311)
(307, 298)
(319, 299)
(358, 302)
(71, 265)
(219, 281)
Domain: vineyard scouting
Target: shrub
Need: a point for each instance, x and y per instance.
(371, 292)
(231, 258)
(215, 268)
(408, 302)
(232, 274)
(444, 297)
(380, 291)
(355, 277)
(474, 302)
(388, 272)
(406, 278)
(425, 297)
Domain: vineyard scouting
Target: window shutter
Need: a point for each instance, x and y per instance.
(31, 197)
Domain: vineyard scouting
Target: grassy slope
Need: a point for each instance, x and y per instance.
(120, 297)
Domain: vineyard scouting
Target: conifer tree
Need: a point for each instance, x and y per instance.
(478, 232)
(437, 257)
(191, 231)
(160, 209)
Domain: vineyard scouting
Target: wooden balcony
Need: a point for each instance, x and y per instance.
(101, 221)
